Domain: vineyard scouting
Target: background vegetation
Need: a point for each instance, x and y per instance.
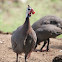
(13, 12)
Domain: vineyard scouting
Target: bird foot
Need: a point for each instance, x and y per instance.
(44, 50)
(36, 50)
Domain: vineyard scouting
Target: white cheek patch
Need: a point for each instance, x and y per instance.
(27, 12)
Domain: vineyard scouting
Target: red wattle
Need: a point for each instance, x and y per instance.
(33, 12)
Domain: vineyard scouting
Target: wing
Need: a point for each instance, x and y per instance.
(29, 43)
(48, 31)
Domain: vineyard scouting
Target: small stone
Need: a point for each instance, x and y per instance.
(1, 42)
(60, 51)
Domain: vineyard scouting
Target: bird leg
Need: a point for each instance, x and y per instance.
(36, 45)
(29, 54)
(16, 57)
(43, 46)
(48, 44)
(26, 57)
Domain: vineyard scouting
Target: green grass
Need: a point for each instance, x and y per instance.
(60, 36)
(13, 15)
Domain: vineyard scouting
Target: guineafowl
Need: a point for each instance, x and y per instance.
(47, 27)
(24, 37)
(57, 58)
(45, 32)
(50, 19)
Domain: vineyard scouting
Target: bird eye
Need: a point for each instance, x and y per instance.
(28, 9)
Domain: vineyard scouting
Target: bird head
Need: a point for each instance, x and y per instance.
(29, 11)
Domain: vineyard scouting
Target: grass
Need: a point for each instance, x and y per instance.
(13, 15)
(60, 36)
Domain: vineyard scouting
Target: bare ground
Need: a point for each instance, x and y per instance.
(7, 54)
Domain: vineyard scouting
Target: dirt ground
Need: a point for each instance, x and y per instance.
(7, 54)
